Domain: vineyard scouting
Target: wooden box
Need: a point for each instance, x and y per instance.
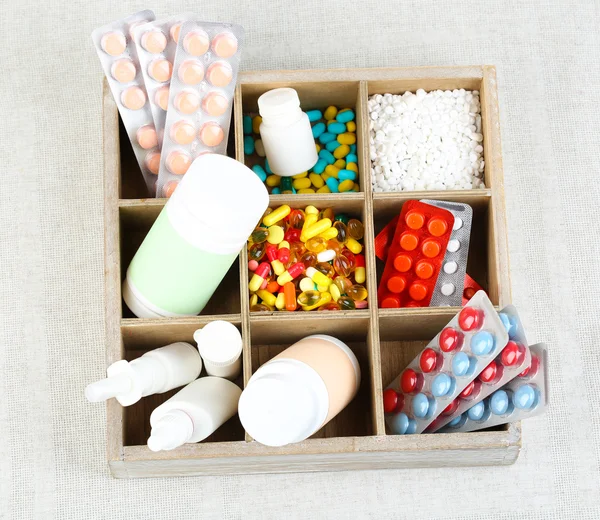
(384, 340)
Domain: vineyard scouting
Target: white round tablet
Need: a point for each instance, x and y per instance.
(450, 267)
(448, 289)
(458, 223)
(453, 245)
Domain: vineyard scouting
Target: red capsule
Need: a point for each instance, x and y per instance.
(283, 255)
(408, 381)
(470, 319)
(360, 260)
(272, 253)
(488, 374)
(263, 270)
(428, 360)
(296, 270)
(450, 339)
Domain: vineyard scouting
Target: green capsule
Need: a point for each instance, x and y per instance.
(286, 184)
(342, 217)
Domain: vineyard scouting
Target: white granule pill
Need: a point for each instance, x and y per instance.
(450, 267)
(453, 245)
(426, 141)
(448, 289)
(458, 223)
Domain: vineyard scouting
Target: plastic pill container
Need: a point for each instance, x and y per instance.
(195, 239)
(286, 133)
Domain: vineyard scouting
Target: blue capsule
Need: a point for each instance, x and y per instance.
(247, 125)
(319, 166)
(259, 170)
(461, 364)
(353, 148)
(344, 175)
(267, 167)
(412, 427)
(344, 117)
(482, 343)
(420, 405)
(336, 128)
(327, 156)
(399, 423)
(351, 157)
(442, 385)
(475, 413)
(332, 184)
(318, 129)
(499, 402)
(525, 397)
(326, 137)
(455, 422)
(248, 145)
(275, 191)
(314, 115)
(332, 145)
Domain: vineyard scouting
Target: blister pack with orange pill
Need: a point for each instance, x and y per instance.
(415, 256)
(117, 52)
(203, 81)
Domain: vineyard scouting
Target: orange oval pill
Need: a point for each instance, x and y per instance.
(219, 74)
(161, 97)
(174, 31)
(211, 134)
(431, 248)
(178, 162)
(196, 43)
(215, 104)
(417, 291)
(160, 70)
(225, 45)
(113, 43)
(408, 241)
(414, 220)
(123, 70)
(402, 263)
(133, 98)
(187, 102)
(390, 302)
(191, 72)
(146, 137)
(152, 162)
(437, 227)
(154, 41)
(169, 188)
(424, 269)
(183, 132)
(396, 284)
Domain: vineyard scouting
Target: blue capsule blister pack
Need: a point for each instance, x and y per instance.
(445, 367)
(523, 397)
(513, 359)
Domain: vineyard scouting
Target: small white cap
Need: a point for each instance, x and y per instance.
(123, 382)
(278, 102)
(220, 345)
(107, 388)
(286, 401)
(171, 431)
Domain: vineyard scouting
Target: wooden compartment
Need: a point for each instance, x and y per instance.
(384, 340)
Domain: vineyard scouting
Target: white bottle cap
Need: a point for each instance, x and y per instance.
(285, 401)
(171, 431)
(278, 102)
(220, 345)
(107, 388)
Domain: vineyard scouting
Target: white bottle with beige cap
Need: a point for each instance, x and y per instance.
(220, 345)
(297, 392)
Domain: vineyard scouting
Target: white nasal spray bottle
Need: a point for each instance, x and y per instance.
(155, 372)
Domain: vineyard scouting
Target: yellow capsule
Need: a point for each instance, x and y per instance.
(273, 180)
(340, 164)
(353, 245)
(276, 234)
(330, 113)
(324, 189)
(300, 175)
(308, 298)
(315, 229)
(267, 297)
(309, 220)
(360, 274)
(335, 292)
(287, 192)
(323, 300)
(325, 176)
(332, 170)
(276, 215)
(316, 180)
(311, 210)
(346, 138)
(346, 185)
(318, 147)
(332, 232)
(351, 126)
(306, 191)
(322, 288)
(341, 151)
(301, 184)
(352, 166)
(253, 300)
(318, 277)
(356, 187)
(357, 292)
(256, 121)
(306, 284)
(278, 267)
(280, 301)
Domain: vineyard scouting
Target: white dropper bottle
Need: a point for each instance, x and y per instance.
(193, 413)
(155, 372)
(220, 346)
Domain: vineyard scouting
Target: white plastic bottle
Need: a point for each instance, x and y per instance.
(298, 391)
(220, 346)
(193, 413)
(286, 133)
(155, 372)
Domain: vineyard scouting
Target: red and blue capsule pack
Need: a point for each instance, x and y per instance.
(523, 397)
(507, 365)
(445, 367)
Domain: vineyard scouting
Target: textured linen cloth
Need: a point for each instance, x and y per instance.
(52, 442)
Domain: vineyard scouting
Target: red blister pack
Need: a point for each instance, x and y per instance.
(415, 255)
(384, 239)
(471, 287)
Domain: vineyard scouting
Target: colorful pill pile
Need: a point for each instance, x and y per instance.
(306, 260)
(336, 171)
